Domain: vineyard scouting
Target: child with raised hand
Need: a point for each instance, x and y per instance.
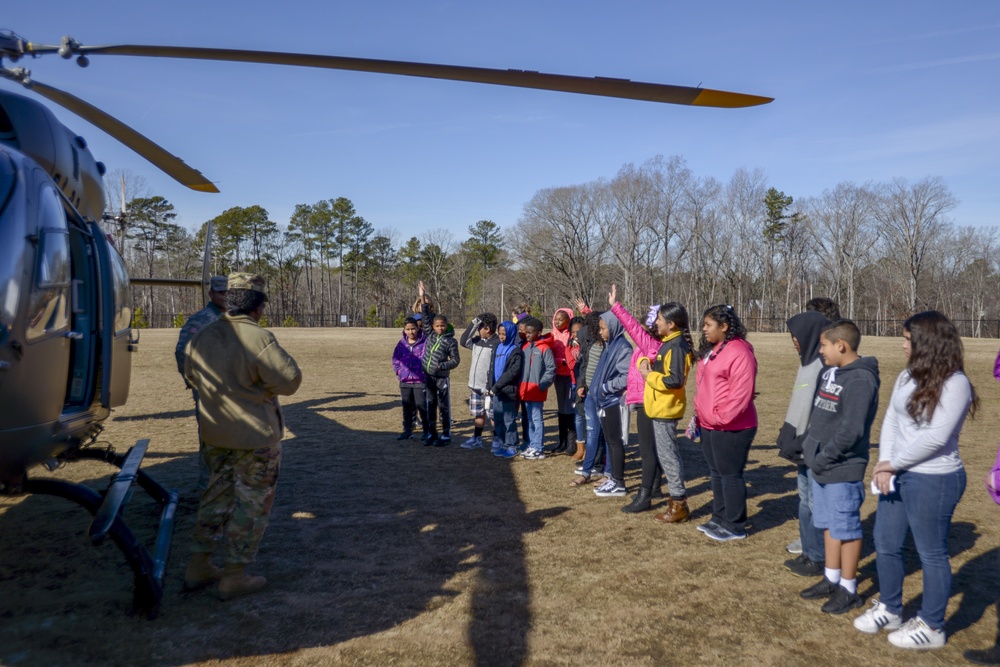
(607, 392)
(539, 373)
(646, 346)
(407, 361)
(836, 451)
(504, 383)
(664, 401)
(920, 478)
(805, 331)
(725, 412)
(440, 357)
(480, 337)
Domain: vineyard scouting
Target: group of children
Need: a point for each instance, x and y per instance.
(600, 378)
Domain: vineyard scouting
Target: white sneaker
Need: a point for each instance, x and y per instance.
(472, 443)
(532, 455)
(917, 635)
(794, 547)
(878, 617)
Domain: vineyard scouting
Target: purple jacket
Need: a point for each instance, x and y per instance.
(646, 345)
(406, 360)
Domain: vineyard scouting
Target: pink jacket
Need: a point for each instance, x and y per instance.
(646, 345)
(725, 386)
(560, 338)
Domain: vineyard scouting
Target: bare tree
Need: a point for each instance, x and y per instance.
(912, 218)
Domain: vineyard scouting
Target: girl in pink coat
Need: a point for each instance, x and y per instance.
(724, 409)
(646, 345)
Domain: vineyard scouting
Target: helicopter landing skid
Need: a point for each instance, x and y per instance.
(108, 521)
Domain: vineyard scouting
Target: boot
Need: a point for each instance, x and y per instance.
(986, 656)
(236, 582)
(658, 485)
(581, 451)
(200, 572)
(640, 503)
(676, 512)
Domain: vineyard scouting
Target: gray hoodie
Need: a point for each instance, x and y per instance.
(837, 440)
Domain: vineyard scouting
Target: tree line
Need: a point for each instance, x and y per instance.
(883, 250)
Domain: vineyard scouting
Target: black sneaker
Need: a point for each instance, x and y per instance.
(428, 439)
(824, 589)
(443, 441)
(405, 435)
(804, 566)
(841, 601)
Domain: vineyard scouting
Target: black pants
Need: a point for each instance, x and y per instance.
(726, 453)
(651, 470)
(439, 396)
(611, 426)
(414, 406)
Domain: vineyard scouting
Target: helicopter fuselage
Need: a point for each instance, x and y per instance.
(65, 307)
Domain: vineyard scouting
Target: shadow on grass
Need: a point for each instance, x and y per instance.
(366, 534)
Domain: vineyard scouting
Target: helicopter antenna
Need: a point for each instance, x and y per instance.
(122, 215)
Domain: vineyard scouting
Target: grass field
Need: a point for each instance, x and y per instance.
(389, 553)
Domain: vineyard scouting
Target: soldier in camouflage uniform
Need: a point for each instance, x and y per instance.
(239, 370)
(215, 308)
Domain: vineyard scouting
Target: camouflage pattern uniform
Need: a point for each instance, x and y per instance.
(240, 369)
(237, 502)
(194, 324)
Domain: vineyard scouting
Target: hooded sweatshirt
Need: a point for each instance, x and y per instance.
(805, 327)
(611, 377)
(560, 344)
(646, 345)
(482, 352)
(407, 360)
(664, 396)
(440, 352)
(837, 440)
(725, 386)
(539, 369)
(507, 365)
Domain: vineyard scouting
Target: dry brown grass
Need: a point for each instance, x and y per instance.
(395, 554)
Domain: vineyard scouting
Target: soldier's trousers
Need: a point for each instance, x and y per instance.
(236, 505)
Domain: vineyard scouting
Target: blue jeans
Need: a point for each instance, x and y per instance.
(594, 436)
(811, 536)
(504, 423)
(536, 425)
(924, 504)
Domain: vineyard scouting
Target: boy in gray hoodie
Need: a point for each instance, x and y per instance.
(836, 451)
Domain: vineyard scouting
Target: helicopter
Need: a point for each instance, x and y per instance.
(65, 303)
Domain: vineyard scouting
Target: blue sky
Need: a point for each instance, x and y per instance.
(864, 91)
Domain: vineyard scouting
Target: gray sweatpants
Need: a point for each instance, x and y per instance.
(669, 453)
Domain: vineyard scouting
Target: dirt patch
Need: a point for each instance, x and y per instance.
(390, 553)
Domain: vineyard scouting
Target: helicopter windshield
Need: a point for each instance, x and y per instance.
(48, 311)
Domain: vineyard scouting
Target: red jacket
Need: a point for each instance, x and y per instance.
(560, 339)
(539, 369)
(725, 386)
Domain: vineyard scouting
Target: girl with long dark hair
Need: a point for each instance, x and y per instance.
(725, 412)
(920, 479)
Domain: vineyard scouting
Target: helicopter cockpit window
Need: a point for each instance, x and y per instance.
(123, 295)
(48, 312)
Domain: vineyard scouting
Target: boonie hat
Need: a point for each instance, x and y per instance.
(250, 281)
(218, 283)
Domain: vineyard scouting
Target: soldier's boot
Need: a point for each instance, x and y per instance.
(236, 582)
(201, 572)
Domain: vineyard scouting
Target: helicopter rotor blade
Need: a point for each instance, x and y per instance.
(601, 86)
(172, 165)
